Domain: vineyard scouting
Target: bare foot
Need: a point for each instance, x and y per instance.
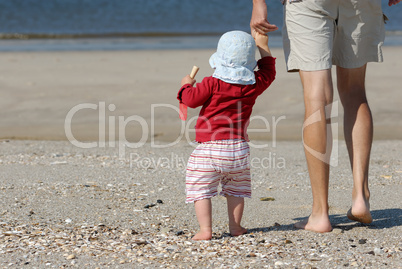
(237, 231)
(203, 235)
(361, 211)
(318, 225)
(363, 217)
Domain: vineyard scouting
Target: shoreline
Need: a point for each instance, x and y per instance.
(129, 42)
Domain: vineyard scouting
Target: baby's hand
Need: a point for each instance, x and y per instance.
(260, 40)
(262, 43)
(187, 80)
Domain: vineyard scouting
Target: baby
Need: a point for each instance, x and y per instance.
(227, 99)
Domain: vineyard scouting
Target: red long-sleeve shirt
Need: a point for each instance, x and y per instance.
(226, 108)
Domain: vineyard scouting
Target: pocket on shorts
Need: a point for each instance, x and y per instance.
(385, 18)
(310, 16)
(327, 8)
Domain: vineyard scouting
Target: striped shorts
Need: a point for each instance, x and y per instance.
(224, 161)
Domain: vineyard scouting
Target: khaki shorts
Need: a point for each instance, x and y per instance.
(319, 33)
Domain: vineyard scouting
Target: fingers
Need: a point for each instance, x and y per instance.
(271, 28)
(257, 30)
(261, 40)
(264, 28)
(258, 35)
(187, 80)
(393, 2)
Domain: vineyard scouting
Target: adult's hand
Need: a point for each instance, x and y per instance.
(393, 2)
(259, 22)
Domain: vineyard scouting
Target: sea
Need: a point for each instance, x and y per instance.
(54, 25)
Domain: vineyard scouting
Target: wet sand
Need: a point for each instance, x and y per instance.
(39, 89)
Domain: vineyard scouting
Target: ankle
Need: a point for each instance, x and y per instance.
(203, 235)
(233, 227)
(320, 212)
(206, 230)
(361, 193)
(237, 230)
(361, 197)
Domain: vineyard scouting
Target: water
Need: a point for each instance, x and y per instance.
(136, 24)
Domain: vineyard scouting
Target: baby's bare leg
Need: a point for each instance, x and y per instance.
(203, 210)
(235, 212)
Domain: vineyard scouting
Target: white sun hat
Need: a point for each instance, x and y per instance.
(234, 60)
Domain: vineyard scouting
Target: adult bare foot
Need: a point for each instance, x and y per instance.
(237, 231)
(318, 225)
(360, 211)
(203, 235)
(363, 217)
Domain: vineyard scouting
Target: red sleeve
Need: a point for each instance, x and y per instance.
(196, 96)
(266, 73)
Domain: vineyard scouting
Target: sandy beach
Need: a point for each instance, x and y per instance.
(40, 88)
(62, 206)
(109, 205)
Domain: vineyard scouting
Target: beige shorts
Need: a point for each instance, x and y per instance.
(319, 33)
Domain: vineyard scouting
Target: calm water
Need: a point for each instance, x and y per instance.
(134, 24)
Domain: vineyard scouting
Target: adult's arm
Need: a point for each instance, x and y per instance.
(259, 20)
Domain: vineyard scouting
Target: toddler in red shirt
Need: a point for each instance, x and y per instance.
(227, 99)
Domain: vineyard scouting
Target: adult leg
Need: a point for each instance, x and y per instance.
(317, 139)
(203, 210)
(235, 213)
(358, 131)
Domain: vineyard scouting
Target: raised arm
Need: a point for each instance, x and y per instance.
(262, 44)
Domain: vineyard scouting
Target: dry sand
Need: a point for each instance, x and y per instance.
(62, 206)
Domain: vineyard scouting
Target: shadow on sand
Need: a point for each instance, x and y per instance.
(382, 219)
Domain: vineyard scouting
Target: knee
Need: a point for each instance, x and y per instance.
(313, 105)
(351, 90)
(352, 96)
(318, 98)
